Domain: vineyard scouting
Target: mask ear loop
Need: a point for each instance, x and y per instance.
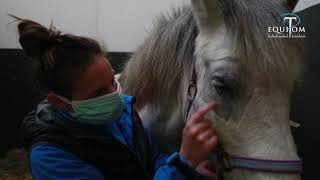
(119, 89)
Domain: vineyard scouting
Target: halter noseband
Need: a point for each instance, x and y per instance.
(226, 162)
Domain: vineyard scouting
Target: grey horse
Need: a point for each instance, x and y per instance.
(220, 50)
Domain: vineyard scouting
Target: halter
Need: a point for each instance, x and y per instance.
(227, 162)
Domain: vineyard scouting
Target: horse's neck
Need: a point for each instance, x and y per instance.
(165, 125)
(263, 132)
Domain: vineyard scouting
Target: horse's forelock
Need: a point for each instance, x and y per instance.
(156, 69)
(248, 21)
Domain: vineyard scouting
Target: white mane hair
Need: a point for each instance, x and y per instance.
(155, 70)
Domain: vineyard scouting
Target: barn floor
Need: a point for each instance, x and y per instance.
(14, 166)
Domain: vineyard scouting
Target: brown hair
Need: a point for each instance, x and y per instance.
(58, 58)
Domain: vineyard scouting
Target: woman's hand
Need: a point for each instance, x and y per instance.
(198, 137)
(207, 169)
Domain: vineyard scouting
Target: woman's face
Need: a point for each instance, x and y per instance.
(96, 80)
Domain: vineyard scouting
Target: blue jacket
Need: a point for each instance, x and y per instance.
(53, 163)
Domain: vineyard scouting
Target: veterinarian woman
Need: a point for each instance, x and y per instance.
(86, 128)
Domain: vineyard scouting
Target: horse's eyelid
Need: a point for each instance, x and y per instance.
(227, 81)
(218, 78)
(207, 62)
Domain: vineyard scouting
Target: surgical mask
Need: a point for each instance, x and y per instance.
(100, 110)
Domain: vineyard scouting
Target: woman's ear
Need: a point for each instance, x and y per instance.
(58, 103)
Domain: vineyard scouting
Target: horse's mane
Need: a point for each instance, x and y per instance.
(155, 71)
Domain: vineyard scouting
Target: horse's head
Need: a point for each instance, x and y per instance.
(249, 75)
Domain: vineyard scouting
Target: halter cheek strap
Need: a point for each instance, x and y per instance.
(192, 91)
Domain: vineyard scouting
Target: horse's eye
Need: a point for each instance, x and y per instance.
(224, 87)
(220, 86)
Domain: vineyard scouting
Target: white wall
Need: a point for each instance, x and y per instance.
(119, 24)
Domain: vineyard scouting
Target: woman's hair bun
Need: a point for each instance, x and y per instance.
(58, 58)
(35, 39)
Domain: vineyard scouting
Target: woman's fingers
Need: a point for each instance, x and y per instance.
(199, 115)
(206, 169)
(198, 138)
(206, 135)
(199, 127)
(211, 143)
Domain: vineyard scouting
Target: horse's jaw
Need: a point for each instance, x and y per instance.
(263, 132)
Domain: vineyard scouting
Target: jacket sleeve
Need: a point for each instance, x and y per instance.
(51, 163)
(171, 167)
(176, 167)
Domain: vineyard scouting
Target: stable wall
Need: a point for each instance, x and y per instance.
(121, 25)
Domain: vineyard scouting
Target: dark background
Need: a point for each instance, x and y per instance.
(19, 95)
(305, 101)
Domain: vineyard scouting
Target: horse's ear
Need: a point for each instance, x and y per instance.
(206, 13)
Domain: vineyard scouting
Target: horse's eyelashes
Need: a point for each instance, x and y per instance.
(219, 84)
(219, 81)
(224, 87)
